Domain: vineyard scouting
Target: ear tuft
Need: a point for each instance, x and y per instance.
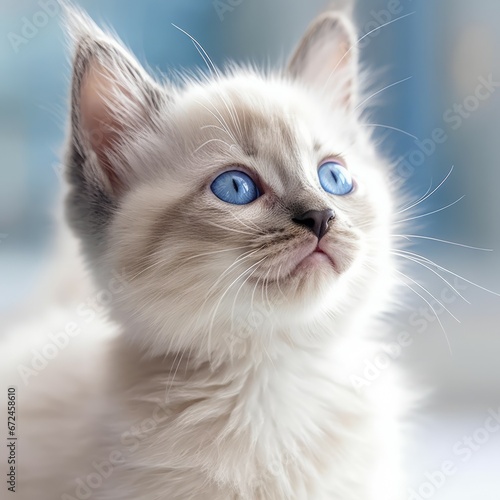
(326, 58)
(78, 25)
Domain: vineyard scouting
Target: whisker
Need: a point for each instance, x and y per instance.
(431, 213)
(236, 296)
(427, 196)
(430, 262)
(432, 308)
(222, 123)
(162, 261)
(222, 120)
(255, 226)
(278, 281)
(382, 90)
(232, 112)
(212, 140)
(229, 228)
(199, 47)
(241, 258)
(390, 128)
(172, 378)
(360, 40)
(222, 297)
(213, 126)
(265, 284)
(427, 291)
(419, 200)
(213, 253)
(154, 264)
(408, 236)
(253, 293)
(412, 259)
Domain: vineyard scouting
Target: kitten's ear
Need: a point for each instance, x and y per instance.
(326, 58)
(112, 99)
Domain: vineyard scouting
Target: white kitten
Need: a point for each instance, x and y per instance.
(238, 226)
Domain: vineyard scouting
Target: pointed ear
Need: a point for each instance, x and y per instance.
(113, 100)
(326, 58)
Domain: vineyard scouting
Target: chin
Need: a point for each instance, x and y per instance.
(305, 294)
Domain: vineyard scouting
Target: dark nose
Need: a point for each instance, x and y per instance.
(318, 221)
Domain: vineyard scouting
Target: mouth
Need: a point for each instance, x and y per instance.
(302, 262)
(316, 259)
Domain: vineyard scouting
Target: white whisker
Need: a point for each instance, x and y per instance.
(382, 90)
(427, 196)
(255, 226)
(222, 298)
(212, 140)
(360, 40)
(415, 203)
(431, 213)
(278, 281)
(391, 128)
(240, 259)
(432, 308)
(225, 228)
(427, 291)
(222, 122)
(402, 254)
(418, 236)
(199, 47)
(183, 262)
(236, 296)
(430, 262)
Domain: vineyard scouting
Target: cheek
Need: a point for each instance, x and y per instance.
(238, 224)
(363, 227)
(375, 191)
(370, 204)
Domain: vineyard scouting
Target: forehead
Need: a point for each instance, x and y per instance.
(255, 112)
(262, 123)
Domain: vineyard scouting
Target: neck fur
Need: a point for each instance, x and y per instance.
(247, 423)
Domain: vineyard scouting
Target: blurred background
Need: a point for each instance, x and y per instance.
(446, 115)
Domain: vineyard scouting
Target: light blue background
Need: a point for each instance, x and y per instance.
(445, 46)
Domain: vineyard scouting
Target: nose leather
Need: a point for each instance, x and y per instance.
(318, 221)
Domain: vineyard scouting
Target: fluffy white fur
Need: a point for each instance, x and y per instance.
(224, 371)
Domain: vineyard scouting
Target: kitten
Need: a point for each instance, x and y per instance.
(238, 224)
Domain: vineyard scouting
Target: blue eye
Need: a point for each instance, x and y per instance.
(235, 187)
(335, 179)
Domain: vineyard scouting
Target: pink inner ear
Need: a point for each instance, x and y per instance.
(326, 59)
(99, 125)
